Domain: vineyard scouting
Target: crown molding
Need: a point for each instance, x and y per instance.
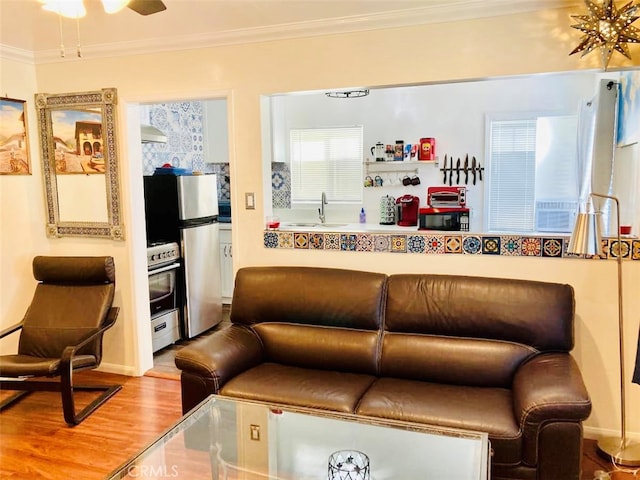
(452, 12)
(13, 54)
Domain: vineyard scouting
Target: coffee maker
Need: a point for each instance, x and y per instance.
(408, 206)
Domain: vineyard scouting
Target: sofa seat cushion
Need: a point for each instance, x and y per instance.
(323, 389)
(470, 408)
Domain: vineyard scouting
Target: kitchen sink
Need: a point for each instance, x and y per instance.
(300, 224)
(332, 225)
(312, 225)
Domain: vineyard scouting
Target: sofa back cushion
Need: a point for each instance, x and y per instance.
(476, 330)
(312, 317)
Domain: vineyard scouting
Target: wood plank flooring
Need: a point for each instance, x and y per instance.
(593, 462)
(35, 442)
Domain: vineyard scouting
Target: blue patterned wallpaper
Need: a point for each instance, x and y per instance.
(280, 185)
(182, 124)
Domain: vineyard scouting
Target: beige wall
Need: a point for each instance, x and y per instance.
(518, 44)
(21, 209)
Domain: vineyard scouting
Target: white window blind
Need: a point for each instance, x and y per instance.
(326, 160)
(532, 185)
(511, 195)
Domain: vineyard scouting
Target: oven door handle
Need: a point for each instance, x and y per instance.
(173, 266)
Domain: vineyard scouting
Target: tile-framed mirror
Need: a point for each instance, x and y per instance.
(77, 133)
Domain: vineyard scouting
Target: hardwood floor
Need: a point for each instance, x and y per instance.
(35, 442)
(593, 462)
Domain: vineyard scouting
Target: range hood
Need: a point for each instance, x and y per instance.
(150, 134)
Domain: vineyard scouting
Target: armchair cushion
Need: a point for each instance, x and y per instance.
(74, 270)
(62, 331)
(27, 365)
(70, 303)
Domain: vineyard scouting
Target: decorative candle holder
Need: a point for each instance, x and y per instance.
(349, 465)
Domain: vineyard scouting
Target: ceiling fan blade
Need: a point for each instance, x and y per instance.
(146, 7)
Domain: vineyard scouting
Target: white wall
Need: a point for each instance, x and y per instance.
(22, 236)
(508, 45)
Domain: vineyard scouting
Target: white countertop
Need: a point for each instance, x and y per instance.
(344, 227)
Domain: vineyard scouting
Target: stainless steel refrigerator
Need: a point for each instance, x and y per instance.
(184, 209)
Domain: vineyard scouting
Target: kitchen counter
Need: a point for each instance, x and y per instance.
(344, 227)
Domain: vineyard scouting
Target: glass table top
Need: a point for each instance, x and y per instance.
(225, 438)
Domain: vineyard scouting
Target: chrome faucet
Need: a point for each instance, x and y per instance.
(323, 202)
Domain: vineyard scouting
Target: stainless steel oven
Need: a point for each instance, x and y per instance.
(163, 269)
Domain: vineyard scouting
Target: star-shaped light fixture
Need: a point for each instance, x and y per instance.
(607, 28)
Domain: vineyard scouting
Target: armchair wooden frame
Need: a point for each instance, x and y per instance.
(65, 385)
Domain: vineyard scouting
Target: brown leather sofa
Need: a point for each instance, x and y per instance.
(476, 353)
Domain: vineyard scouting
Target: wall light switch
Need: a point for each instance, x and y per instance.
(255, 432)
(249, 201)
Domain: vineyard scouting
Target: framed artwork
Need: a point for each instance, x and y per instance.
(14, 142)
(77, 135)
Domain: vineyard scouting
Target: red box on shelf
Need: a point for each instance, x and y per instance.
(427, 149)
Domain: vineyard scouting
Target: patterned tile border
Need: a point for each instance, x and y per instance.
(446, 243)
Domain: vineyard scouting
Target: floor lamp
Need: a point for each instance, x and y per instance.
(586, 239)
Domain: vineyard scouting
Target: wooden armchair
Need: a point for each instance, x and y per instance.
(62, 331)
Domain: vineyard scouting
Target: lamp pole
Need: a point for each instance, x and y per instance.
(620, 451)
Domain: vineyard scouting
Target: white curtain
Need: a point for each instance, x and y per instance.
(586, 133)
(596, 147)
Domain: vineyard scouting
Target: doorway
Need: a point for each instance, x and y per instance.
(196, 140)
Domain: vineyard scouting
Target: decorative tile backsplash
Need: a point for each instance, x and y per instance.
(449, 243)
(280, 185)
(182, 123)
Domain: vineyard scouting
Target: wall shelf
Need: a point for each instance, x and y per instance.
(412, 163)
(392, 167)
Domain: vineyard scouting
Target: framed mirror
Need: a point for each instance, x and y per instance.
(77, 134)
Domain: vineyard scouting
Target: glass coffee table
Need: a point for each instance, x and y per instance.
(231, 439)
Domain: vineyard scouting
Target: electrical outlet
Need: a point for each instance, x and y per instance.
(249, 201)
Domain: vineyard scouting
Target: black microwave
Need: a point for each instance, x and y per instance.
(448, 219)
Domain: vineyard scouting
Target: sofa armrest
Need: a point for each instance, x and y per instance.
(221, 356)
(548, 388)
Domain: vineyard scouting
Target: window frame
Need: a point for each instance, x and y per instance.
(517, 116)
(356, 167)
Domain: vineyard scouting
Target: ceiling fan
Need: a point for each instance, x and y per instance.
(75, 8)
(146, 7)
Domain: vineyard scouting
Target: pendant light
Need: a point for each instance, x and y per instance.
(114, 6)
(65, 8)
(76, 9)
